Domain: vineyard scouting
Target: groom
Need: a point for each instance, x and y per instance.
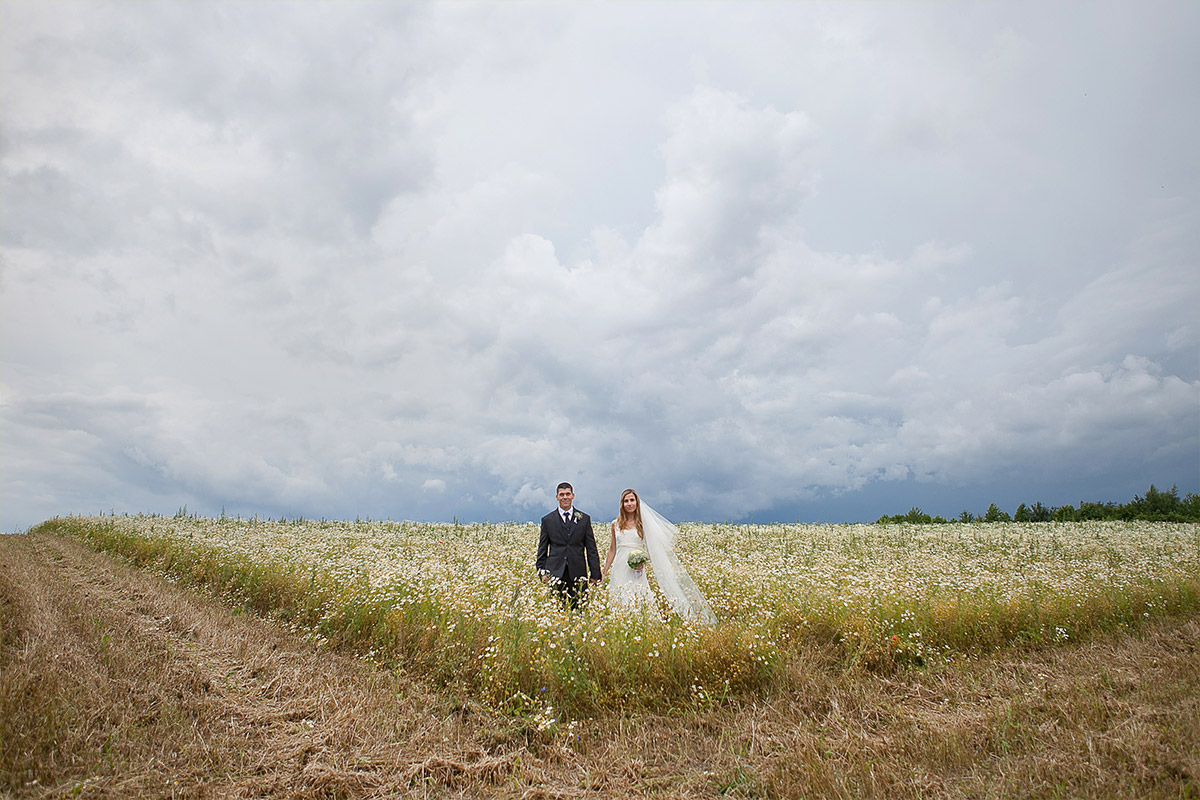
(567, 540)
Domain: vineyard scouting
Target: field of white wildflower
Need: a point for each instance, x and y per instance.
(462, 604)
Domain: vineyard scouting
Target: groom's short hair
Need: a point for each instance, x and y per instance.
(564, 485)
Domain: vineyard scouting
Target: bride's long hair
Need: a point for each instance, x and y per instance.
(623, 518)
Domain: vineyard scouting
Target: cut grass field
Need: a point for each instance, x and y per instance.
(115, 682)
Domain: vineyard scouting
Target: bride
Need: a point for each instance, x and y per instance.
(639, 527)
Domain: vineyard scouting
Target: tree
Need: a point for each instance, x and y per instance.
(917, 517)
(994, 514)
(1155, 505)
(1191, 506)
(1099, 511)
(1040, 513)
(1066, 513)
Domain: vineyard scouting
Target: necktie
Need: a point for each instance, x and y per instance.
(566, 519)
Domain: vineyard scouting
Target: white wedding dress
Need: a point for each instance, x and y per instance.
(630, 589)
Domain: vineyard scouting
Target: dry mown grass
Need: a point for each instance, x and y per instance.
(115, 683)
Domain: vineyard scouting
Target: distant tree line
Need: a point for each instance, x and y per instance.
(1155, 506)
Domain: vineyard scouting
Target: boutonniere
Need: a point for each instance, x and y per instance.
(577, 516)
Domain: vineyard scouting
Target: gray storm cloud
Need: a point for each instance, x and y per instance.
(427, 261)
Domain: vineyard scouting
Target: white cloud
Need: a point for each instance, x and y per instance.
(427, 261)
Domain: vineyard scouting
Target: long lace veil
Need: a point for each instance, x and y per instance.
(677, 586)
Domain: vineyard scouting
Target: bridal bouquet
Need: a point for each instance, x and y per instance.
(637, 558)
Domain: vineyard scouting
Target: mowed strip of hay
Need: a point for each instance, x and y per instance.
(116, 683)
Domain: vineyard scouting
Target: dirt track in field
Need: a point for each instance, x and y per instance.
(149, 690)
(117, 683)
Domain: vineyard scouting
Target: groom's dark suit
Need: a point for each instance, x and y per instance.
(567, 551)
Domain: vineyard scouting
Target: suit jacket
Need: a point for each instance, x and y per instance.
(563, 547)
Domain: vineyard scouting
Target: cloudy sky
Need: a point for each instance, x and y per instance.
(760, 261)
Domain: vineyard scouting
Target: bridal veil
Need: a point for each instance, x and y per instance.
(673, 581)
